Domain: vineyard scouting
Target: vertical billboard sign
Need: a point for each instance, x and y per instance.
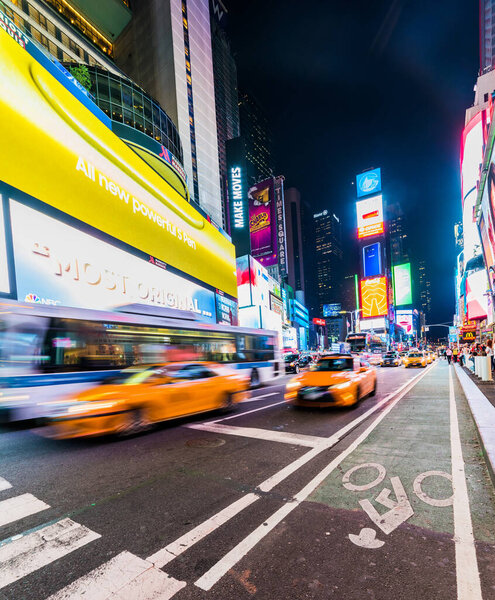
(281, 242)
(262, 222)
(237, 196)
(402, 284)
(369, 183)
(374, 299)
(370, 220)
(406, 321)
(372, 260)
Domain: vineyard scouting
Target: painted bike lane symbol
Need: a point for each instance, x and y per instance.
(399, 509)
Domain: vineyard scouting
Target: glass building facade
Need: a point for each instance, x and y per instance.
(125, 102)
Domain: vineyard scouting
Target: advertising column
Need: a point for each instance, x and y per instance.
(374, 281)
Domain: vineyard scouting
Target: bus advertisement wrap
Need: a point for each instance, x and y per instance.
(54, 149)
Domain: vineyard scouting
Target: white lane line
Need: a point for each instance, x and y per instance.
(123, 577)
(208, 580)
(165, 555)
(247, 412)
(284, 437)
(468, 576)
(4, 484)
(19, 507)
(254, 398)
(22, 556)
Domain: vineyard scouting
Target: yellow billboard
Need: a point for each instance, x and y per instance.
(54, 149)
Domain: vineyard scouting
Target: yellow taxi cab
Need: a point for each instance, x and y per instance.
(415, 358)
(429, 359)
(433, 355)
(335, 380)
(143, 395)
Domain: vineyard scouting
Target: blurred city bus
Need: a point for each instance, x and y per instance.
(43, 345)
(365, 342)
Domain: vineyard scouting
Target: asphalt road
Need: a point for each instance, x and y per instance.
(268, 502)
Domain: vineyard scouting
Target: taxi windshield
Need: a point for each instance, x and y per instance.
(415, 354)
(136, 375)
(334, 364)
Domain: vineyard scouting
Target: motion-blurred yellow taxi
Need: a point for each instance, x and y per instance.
(416, 358)
(335, 380)
(144, 395)
(429, 358)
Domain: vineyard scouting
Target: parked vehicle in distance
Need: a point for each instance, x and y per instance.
(291, 361)
(391, 359)
(144, 395)
(375, 357)
(335, 380)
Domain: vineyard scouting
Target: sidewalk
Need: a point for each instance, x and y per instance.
(481, 398)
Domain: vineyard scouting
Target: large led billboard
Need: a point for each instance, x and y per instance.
(58, 264)
(402, 284)
(62, 156)
(372, 260)
(405, 319)
(374, 300)
(368, 183)
(262, 222)
(370, 220)
(476, 295)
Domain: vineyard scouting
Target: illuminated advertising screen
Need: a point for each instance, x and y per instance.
(59, 153)
(405, 319)
(372, 260)
(369, 183)
(402, 284)
(476, 295)
(471, 159)
(370, 217)
(226, 309)
(58, 264)
(372, 324)
(262, 223)
(331, 310)
(374, 301)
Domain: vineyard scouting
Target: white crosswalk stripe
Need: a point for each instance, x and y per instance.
(20, 557)
(4, 484)
(124, 577)
(19, 507)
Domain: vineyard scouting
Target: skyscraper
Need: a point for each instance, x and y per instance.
(293, 231)
(399, 252)
(487, 35)
(71, 31)
(328, 257)
(226, 98)
(166, 48)
(424, 289)
(257, 138)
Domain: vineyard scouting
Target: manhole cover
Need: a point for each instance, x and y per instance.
(205, 443)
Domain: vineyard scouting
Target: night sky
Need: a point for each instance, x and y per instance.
(352, 84)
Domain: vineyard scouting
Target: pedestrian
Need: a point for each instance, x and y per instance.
(448, 354)
(455, 353)
(489, 352)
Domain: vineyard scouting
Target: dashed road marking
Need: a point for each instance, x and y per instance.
(22, 556)
(254, 398)
(19, 507)
(123, 577)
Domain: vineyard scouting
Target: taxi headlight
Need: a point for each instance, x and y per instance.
(293, 385)
(340, 386)
(89, 407)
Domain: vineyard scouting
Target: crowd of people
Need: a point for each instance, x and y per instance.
(465, 353)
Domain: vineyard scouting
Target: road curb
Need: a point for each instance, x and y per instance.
(484, 416)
